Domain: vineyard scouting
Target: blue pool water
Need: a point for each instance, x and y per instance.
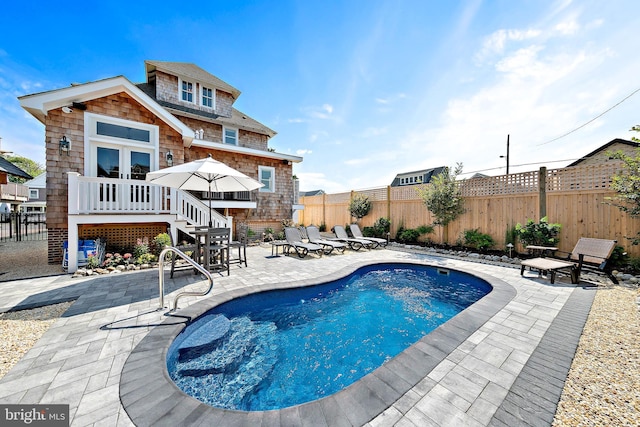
(281, 348)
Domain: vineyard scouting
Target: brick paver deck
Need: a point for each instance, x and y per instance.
(502, 364)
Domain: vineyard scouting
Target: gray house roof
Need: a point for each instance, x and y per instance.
(11, 169)
(426, 175)
(310, 193)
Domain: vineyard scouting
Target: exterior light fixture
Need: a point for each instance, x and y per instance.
(64, 145)
(169, 157)
(510, 248)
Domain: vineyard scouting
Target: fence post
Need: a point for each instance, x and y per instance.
(542, 191)
(324, 209)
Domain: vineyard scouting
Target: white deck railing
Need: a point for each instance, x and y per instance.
(90, 195)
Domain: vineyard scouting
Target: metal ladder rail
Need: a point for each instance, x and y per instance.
(195, 265)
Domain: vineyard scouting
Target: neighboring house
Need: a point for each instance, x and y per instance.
(311, 193)
(600, 155)
(11, 194)
(37, 194)
(103, 137)
(416, 177)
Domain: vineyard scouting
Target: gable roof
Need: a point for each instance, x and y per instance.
(9, 168)
(604, 148)
(39, 181)
(190, 70)
(39, 104)
(310, 193)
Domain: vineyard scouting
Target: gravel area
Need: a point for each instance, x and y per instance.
(20, 330)
(603, 386)
(21, 260)
(602, 389)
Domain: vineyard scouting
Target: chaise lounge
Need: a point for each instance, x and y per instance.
(589, 253)
(354, 243)
(355, 231)
(294, 240)
(313, 234)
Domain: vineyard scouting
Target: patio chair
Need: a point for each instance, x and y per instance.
(589, 254)
(294, 240)
(241, 244)
(217, 249)
(329, 245)
(177, 264)
(355, 231)
(354, 243)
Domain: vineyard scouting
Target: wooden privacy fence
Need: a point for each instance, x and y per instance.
(573, 197)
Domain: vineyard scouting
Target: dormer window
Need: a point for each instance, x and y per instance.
(207, 97)
(187, 91)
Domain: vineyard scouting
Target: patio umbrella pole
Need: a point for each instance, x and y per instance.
(210, 209)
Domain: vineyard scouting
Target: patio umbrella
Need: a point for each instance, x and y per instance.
(204, 175)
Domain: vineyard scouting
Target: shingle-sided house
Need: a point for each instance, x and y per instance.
(11, 194)
(600, 155)
(103, 137)
(416, 177)
(37, 194)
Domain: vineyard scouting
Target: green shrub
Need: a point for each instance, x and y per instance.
(619, 258)
(159, 243)
(408, 235)
(425, 229)
(475, 239)
(140, 249)
(146, 258)
(322, 227)
(541, 234)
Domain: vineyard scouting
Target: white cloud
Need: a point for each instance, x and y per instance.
(567, 27)
(303, 152)
(496, 43)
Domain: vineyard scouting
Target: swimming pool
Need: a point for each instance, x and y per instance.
(282, 348)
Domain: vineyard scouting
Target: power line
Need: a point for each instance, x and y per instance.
(592, 120)
(524, 164)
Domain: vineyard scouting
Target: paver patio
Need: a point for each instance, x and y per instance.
(508, 371)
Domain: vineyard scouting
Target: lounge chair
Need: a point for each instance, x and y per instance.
(354, 243)
(590, 254)
(355, 230)
(329, 245)
(294, 240)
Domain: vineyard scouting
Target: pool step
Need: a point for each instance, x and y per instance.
(242, 359)
(207, 333)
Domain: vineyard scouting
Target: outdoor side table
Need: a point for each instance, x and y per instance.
(275, 244)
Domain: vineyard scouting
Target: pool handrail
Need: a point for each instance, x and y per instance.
(195, 265)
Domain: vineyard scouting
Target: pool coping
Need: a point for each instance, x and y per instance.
(150, 397)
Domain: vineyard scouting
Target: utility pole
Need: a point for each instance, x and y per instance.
(507, 156)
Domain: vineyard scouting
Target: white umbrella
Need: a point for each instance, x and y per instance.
(204, 175)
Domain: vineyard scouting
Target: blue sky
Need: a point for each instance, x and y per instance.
(362, 90)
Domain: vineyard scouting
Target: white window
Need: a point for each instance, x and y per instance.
(267, 176)
(33, 193)
(187, 91)
(207, 97)
(231, 136)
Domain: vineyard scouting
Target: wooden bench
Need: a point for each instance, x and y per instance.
(589, 254)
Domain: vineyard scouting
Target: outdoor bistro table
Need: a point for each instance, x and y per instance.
(203, 245)
(541, 250)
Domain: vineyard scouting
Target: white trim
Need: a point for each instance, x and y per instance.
(224, 135)
(92, 140)
(194, 91)
(245, 150)
(213, 96)
(267, 188)
(39, 104)
(36, 192)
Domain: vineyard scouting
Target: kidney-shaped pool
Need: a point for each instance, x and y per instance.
(277, 349)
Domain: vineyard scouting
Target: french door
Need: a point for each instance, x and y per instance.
(126, 163)
(122, 162)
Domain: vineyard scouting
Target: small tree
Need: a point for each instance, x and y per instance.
(627, 184)
(442, 197)
(359, 206)
(540, 234)
(31, 167)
